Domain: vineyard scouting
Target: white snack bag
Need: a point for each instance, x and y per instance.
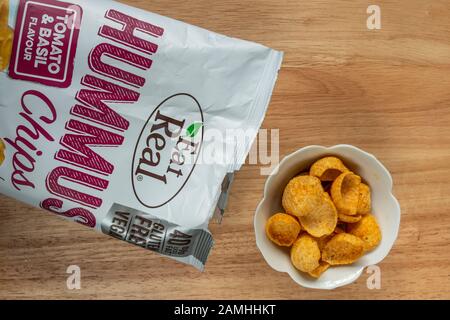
(106, 115)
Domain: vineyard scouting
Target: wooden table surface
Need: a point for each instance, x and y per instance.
(386, 91)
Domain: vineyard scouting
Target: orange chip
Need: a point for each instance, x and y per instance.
(282, 229)
(364, 201)
(343, 248)
(302, 195)
(305, 253)
(322, 241)
(349, 219)
(322, 220)
(368, 230)
(6, 35)
(5, 48)
(317, 272)
(328, 168)
(4, 14)
(345, 193)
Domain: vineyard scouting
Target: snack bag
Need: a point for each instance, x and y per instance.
(109, 115)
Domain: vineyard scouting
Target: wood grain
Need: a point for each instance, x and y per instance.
(386, 91)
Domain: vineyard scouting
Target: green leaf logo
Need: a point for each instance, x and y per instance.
(193, 129)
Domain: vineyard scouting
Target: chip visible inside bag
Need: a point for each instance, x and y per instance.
(6, 35)
(4, 13)
(328, 168)
(6, 43)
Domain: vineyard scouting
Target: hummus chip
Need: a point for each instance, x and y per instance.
(364, 200)
(322, 220)
(345, 193)
(282, 229)
(317, 272)
(349, 219)
(302, 195)
(368, 230)
(343, 248)
(328, 168)
(305, 253)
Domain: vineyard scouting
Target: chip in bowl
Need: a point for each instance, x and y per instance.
(302, 195)
(322, 220)
(317, 272)
(305, 253)
(345, 193)
(368, 230)
(364, 200)
(336, 230)
(328, 168)
(349, 219)
(282, 229)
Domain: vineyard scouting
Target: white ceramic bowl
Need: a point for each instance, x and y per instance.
(384, 206)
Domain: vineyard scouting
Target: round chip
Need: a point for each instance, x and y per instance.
(328, 168)
(6, 43)
(343, 248)
(364, 200)
(302, 195)
(317, 272)
(305, 253)
(322, 220)
(345, 193)
(368, 230)
(282, 229)
(322, 241)
(349, 219)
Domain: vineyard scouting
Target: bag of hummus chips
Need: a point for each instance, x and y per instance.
(113, 117)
